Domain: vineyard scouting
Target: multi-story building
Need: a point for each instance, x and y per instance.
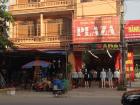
(53, 25)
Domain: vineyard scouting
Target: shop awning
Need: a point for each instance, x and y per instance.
(35, 63)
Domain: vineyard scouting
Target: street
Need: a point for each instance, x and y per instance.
(75, 97)
(14, 100)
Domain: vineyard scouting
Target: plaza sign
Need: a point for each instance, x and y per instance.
(94, 30)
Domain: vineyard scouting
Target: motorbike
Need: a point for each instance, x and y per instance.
(58, 88)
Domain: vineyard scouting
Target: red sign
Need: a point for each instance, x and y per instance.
(130, 66)
(132, 29)
(94, 30)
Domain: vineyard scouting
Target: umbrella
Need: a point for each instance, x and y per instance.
(35, 63)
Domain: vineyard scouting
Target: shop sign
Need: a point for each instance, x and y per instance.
(130, 66)
(113, 46)
(81, 47)
(107, 46)
(95, 30)
(132, 29)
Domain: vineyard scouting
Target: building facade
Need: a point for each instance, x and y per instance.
(55, 25)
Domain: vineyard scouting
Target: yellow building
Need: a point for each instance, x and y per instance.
(47, 24)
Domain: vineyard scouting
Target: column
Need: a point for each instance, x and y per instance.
(41, 0)
(11, 30)
(71, 59)
(16, 1)
(78, 1)
(41, 25)
(45, 28)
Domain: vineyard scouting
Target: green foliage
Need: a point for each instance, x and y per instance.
(85, 57)
(121, 87)
(69, 67)
(5, 17)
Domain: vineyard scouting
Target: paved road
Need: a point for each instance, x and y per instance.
(83, 96)
(42, 100)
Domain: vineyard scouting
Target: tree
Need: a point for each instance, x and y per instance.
(5, 17)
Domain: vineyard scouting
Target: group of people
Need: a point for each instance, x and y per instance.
(112, 78)
(105, 78)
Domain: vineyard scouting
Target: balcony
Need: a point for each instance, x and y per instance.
(48, 42)
(37, 7)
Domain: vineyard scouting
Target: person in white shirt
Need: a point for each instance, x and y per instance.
(75, 79)
(116, 77)
(80, 78)
(103, 77)
(110, 76)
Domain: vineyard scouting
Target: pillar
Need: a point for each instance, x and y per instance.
(78, 1)
(41, 25)
(71, 59)
(10, 30)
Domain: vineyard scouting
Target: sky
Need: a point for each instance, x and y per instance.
(132, 9)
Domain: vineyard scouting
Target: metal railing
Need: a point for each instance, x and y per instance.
(42, 39)
(60, 3)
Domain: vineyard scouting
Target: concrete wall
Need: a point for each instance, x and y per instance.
(96, 7)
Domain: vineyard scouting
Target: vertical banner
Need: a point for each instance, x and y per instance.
(78, 61)
(117, 61)
(130, 66)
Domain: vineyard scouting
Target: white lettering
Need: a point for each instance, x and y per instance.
(78, 31)
(112, 30)
(103, 30)
(86, 31)
(98, 31)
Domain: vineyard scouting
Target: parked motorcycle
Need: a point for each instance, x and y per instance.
(58, 87)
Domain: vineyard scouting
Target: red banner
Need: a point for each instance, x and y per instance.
(98, 29)
(130, 66)
(132, 29)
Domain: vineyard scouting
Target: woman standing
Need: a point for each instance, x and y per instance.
(103, 77)
(110, 76)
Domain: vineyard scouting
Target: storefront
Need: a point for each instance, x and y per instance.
(132, 37)
(96, 42)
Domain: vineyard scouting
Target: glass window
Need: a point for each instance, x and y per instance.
(86, 0)
(31, 1)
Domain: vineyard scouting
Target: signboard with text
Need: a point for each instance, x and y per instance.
(130, 66)
(102, 46)
(96, 30)
(132, 30)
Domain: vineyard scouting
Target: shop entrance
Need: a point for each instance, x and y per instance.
(98, 60)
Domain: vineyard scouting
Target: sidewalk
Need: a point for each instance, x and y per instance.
(96, 92)
(79, 92)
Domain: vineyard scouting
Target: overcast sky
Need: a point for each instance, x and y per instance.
(132, 9)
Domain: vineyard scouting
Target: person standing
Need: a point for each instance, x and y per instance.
(116, 77)
(74, 79)
(110, 76)
(103, 77)
(86, 77)
(80, 78)
(94, 77)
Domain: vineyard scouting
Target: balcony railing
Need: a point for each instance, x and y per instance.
(41, 41)
(48, 4)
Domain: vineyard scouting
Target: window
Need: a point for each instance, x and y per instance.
(31, 1)
(86, 0)
(55, 27)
